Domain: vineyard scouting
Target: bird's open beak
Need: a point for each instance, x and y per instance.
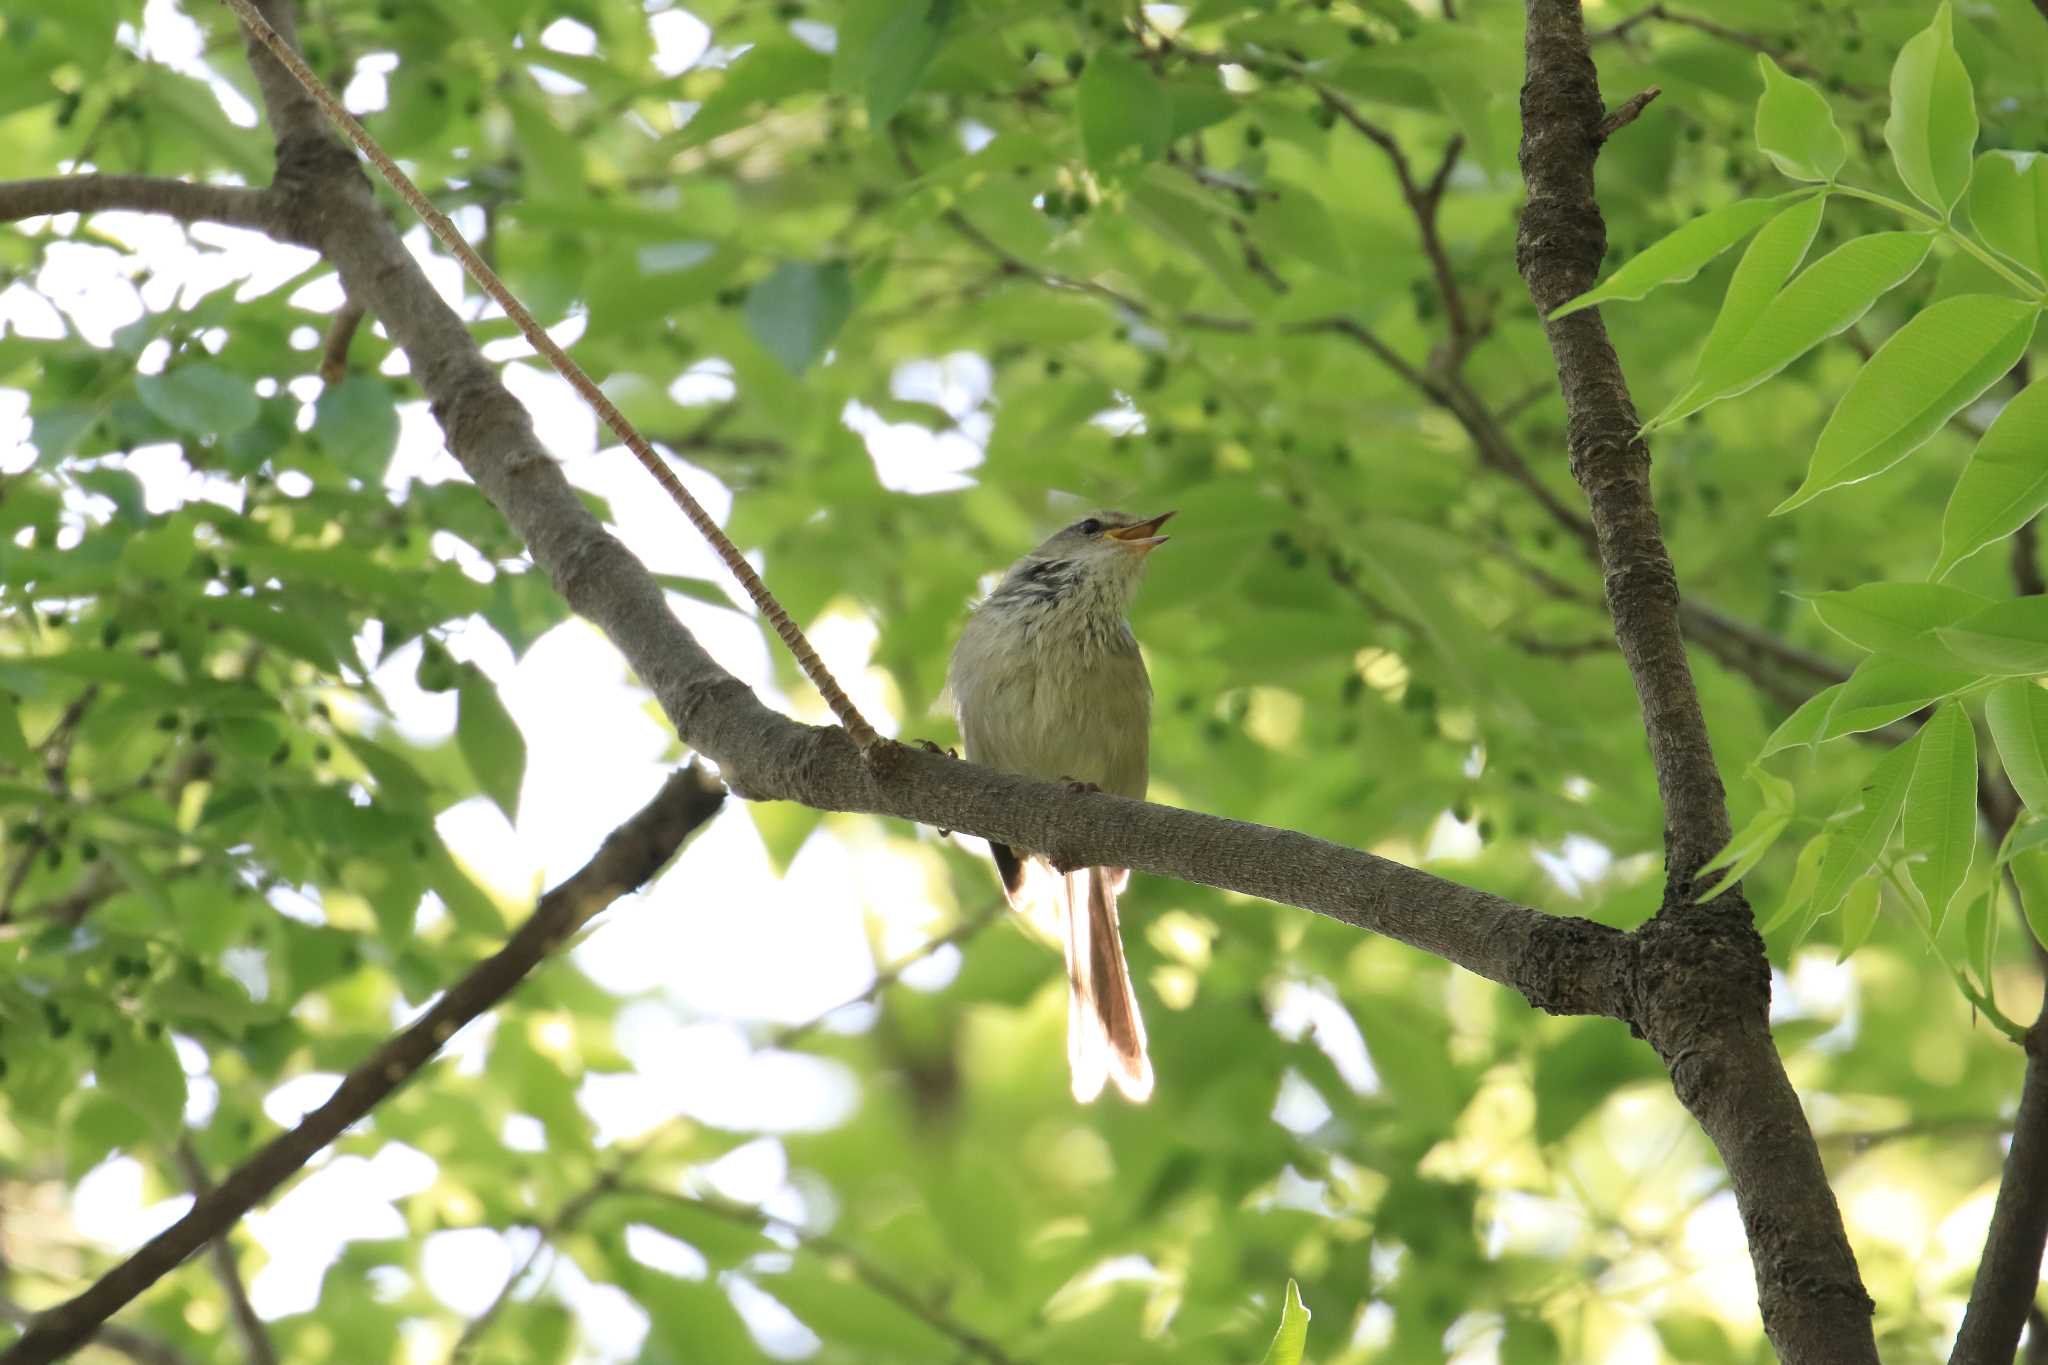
(1143, 536)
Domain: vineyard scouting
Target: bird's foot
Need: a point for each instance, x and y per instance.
(1080, 788)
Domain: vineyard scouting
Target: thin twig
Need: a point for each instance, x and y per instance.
(256, 1343)
(856, 725)
(340, 332)
(1625, 113)
(565, 1220)
(889, 976)
(969, 1340)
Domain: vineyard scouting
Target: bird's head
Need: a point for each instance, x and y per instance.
(1101, 540)
(1096, 561)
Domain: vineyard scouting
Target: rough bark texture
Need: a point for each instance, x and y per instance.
(1700, 989)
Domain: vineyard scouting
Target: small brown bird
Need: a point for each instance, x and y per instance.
(1048, 681)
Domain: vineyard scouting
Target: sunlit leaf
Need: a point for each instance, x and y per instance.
(2005, 484)
(1292, 1339)
(1932, 130)
(490, 741)
(1824, 299)
(1795, 127)
(1892, 616)
(1859, 915)
(1940, 819)
(1681, 254)
(1928, 370)
(1863, 825)
(2018, 715)
(2008, 637)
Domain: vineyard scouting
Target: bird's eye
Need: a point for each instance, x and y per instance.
(1090, 527)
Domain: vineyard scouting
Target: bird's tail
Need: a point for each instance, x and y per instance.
(1105, 1033)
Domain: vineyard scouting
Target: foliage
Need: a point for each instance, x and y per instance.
(1183, 265)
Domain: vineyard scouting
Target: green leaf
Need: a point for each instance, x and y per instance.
(2008, 637)
(356, 422)
(1805, 876)
(1766, 264)
(490, 741)
(796, 311)
(1745, 850)
(884, 48)
(1932, 130)
(2004, 485)
(1803, 727)
(1980, 933)
(1684, 252)
(1893, 616)
(2018, 715)
(199, 399)
(1795, 127)
(144, 1072)
(2009, 205)
(14, 748)
(1885, 687)
(768, 72)
(1292, 1339)
(1863, 824)
(1122, 106)
(2030, 870)
(1859, 915)
(1827, 297)
(294, 633)
(1928, 371)
(1940, 821)
(785, 827)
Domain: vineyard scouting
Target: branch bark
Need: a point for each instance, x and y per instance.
(2009, 1273)
(630, 855)
(1704, 982)
(180, 199)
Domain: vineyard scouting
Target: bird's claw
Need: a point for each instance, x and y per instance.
(1080, 788)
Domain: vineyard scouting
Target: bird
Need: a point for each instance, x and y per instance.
(1047, 681)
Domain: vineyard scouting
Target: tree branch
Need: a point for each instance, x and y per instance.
(630, 855)
(2009, 1272)
(1560, 245)
(139, 1347)
(1704, 982)
(180, 199)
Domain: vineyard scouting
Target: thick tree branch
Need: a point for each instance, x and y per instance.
(1558, 251)
(630, 855)
(1702, 979)
(139, 1347)
(180, 199)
